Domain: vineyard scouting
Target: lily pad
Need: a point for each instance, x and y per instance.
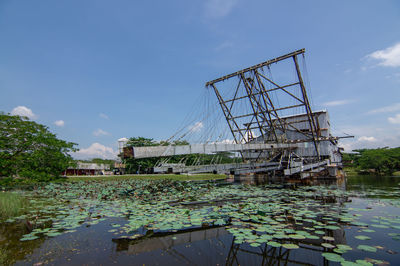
(273, 244)
(327, 245)
(332, 257)
(366, 248)
(290, 246)
(361, 237)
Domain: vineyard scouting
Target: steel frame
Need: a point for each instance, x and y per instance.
(264, 111)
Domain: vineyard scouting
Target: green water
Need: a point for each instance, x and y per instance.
(207, 223)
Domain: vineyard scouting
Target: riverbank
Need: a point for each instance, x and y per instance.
(8, 183)
(351, 171)
(183, 177)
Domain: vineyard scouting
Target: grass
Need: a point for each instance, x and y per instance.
(350, 171)
(11, 204)
(148, 177)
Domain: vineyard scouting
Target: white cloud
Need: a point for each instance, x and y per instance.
(387, 57)
(386, 109)
(382, 137)
(59, 123)
(337, 103)
(395, 119)
(23, 111)
(99, 132)
(196, 127)
(365, 138)
(219, 8)
(104, 116)
(96, 150)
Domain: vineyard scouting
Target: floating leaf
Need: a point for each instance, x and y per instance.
(364, 263)
(361, 237)
(290, 246)
(344, 247)
(27, 238)
(366, 248)
(327, 245)
(273, 244)
(332, 257)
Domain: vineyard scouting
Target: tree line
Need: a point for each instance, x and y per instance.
(382, 160)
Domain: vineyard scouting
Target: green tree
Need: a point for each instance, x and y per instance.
(30, 150)
(133, 165)
(383, 160)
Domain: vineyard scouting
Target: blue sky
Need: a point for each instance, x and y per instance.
(96, 71)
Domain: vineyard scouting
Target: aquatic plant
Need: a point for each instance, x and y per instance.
(257, 216)
(11, 204)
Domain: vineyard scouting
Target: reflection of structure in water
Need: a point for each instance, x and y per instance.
(217, 246)
(169, 241)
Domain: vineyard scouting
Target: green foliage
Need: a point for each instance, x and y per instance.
(30, 150)
(141, 142)
(382, 160)
(11, 204)
(133, 165)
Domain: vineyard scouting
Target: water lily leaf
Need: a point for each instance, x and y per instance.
(327, 245)
(290, 246)
(349, 263)
(27, 238)
(344, 247)
(332, 257)
(366, 248)
(297, 236)
(364, 263)
(361, 237)
(273, 244)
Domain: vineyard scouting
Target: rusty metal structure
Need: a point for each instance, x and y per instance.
(271, 121)
(265, 116)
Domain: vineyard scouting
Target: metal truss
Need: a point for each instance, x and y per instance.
(264, 113)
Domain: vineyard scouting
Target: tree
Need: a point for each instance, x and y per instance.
(133, 165)
(383, 160)
(30, 150)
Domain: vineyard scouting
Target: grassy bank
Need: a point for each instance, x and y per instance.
(350, 171)
(11, 204)
(147, 177)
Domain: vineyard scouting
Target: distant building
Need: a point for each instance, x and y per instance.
(88, 169)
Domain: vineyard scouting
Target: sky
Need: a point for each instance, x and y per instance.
(96, 71)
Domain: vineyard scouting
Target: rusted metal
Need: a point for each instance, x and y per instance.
(266, 63)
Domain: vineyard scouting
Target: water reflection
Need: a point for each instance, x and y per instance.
(216, 246)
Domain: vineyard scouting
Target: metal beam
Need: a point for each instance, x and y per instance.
(266, 63)
(163, 151)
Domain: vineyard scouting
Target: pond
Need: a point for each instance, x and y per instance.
(160, 222)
